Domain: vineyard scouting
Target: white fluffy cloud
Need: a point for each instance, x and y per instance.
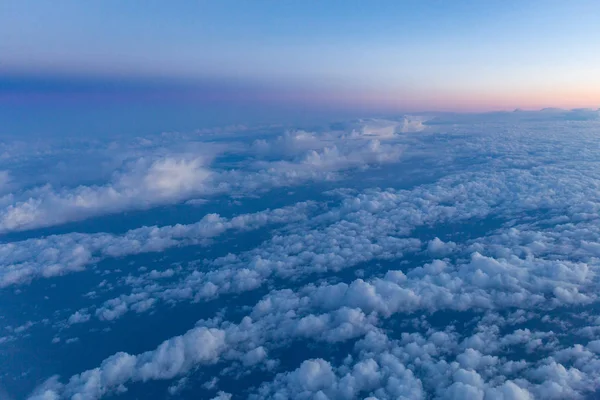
(151, 181)
(145, 184)
(479, 281)
(61, 254)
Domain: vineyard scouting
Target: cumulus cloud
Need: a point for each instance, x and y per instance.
(352, 311)
(152, 180)
(371, 226)
(438, 247)
(79, 317)
(145, 184)
(61, 254)
(478, 281)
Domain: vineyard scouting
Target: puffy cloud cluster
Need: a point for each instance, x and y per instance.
(60, 254)
(376, 225)
(166, 179)
(480, 281)
(365, 227)
(317, 379)
(448, 363)
(172, 358)
(146, 184)
(410, 366)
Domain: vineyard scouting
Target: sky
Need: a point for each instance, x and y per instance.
(385, 56)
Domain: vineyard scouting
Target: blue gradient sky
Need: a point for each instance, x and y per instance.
(383, 56)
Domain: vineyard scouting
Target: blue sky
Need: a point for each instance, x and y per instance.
(403, 55)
